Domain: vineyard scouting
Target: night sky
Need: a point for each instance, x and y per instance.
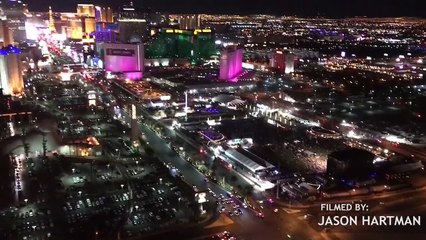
(328, 8)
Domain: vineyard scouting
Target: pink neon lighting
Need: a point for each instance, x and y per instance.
(133, 75)
(231, 64)
(121, 63)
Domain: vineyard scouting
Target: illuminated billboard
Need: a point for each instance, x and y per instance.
(124, 58)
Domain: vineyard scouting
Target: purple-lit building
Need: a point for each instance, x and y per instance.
(231, 63)
(105, 32)
(122, 58)
(104, 36)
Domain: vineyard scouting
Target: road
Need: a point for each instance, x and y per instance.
(246, 226)
(275, 225)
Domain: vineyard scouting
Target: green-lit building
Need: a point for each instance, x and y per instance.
(194, 45)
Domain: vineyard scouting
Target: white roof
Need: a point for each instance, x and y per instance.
(244, 160)
(224, 98)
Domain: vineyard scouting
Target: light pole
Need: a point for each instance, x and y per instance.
(117, 152)
(278, 189)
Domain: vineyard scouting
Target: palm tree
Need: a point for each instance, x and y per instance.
(44, 144)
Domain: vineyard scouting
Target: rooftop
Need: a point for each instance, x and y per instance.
(253, 163)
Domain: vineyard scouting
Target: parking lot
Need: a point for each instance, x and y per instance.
(79, 196)
(139, 199)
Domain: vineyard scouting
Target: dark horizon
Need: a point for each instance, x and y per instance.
(323, 8)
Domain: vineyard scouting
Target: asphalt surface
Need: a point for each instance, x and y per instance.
(275, 225)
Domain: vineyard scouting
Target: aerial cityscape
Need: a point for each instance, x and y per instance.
(139, 120)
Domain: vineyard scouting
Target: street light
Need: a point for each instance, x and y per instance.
(118, 153)
(122, 186)
(26, 200)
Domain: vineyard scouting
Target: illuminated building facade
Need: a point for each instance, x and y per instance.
(77, 27)
(122, 58)
(104, 14)
(86, 10)
(105, 36)
(176, 43)
(11, 79)
(6, 37)
(189, 21)
(74, 28)
(289, 63)
(278, 61)
(88, 25)
(86, 14)
(51, 21)
(15, 13)
(231, 63)
(105, 32)
(282, 61)
(85, 24)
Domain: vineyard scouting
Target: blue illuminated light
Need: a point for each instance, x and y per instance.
(9, 50)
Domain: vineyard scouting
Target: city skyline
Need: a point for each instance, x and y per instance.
(212, 120)
(323, 8)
